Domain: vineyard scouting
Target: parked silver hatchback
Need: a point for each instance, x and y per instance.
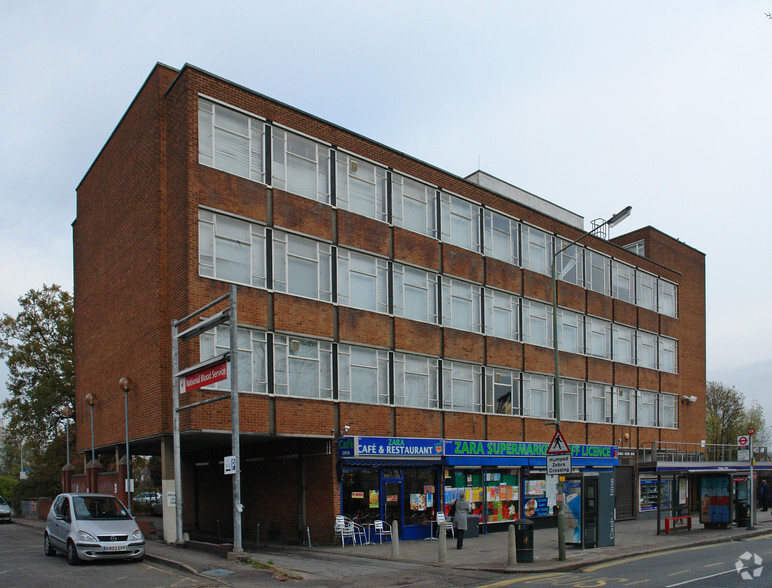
(92, 526)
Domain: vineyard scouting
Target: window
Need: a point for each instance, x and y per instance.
(598, 403)
(363, 375)
(624, 406)
(414, 205)
(668, 411)
(502, 391)
(461, 305)
(300, 165)
(645, 290)
(416, 381)
(360, 187)
(415, 294)
(301, 266)
(597, 272)
(461, 386)
(568, 264)
(636, 247)
(668, 355)
(363, 281)
(460, 222)
(502, 315)
(231, 249)
(230, 141)
(623, 278)
(668, 296)
(501, 240)
(572, 400)
(623, 343)
(537, 326)
(537, 396)
(570, 331)
(647, 349)
(303, 367)
(598, 337)
(252, 356)
(647, 409)
(536, 250)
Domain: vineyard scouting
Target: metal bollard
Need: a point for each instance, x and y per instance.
(442, 556)
(511, 555)
(394, 539)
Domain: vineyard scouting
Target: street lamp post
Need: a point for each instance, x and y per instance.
(67, 413)
(125, 385)
(614, 220)
(91, 400)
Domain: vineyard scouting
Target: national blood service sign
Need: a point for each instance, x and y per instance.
(205, 377)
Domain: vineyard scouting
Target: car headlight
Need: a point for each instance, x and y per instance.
(136, 536)
(83, 536)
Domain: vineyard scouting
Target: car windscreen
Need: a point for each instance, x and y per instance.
(99, 508)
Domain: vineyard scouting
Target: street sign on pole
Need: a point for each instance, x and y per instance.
(558, 445)
(230, 464)
(559, 464)
(743, 440)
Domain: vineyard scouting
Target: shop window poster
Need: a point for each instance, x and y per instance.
(417, 502)
(714, 491)
(358, 495)
(536, 507)
(374, 499)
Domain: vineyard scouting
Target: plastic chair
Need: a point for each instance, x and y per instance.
(382, 528)
(447, 523)
(344, 529)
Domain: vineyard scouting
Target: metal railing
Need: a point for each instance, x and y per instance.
(673, 451)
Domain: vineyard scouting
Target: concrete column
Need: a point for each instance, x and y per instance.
(67, 471)
(511, 552)
(395, 539)
(167, 490)
(93, 469)
(442, 556)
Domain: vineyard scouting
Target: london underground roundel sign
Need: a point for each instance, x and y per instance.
(743, 440)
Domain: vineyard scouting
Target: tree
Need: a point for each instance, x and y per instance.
(728, 417)
(37, 346)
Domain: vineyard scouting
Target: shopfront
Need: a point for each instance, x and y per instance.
(391, 478)
(508, 480)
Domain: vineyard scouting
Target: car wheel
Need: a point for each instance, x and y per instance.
(138, 559)
(72, 554)
(47, 549)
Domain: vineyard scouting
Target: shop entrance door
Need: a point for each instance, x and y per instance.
(391, 491)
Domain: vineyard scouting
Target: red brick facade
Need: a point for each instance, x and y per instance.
(136, 269)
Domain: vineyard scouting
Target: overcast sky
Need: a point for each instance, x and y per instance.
(665, 106)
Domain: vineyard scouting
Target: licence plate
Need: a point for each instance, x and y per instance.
(113, 548)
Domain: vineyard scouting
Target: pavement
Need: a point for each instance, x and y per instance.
(273, 564)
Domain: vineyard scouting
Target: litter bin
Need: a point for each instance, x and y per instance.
(524, 540)
(743, 514)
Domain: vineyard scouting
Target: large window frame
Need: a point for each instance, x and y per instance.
(502, 314)
(501, 237)
(598, 402)
(416, 381)
(597, 272)
(537, 322)
(302, 367)
(598, 337)
(415, 293)
(461, 386)
(572, 396)
(231, 141)
(569, 264)
(302, 266)
(360, 186)
(502, 391)
(231, 249)
(253, 358)
(646, 349)
(623, 281)
(461, 305)
(414, 205)
(647, 408)
(300, 165)
(363, 281)
(536, 250)
(668, 355)
(363, 374)
(460, 220)
(538, 396)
